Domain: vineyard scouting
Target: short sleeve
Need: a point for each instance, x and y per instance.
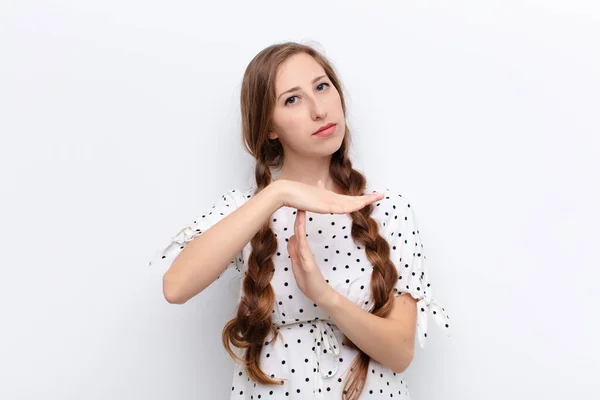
(222, 207)
(409, 256)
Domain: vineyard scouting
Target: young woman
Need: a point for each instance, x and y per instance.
(334, 287)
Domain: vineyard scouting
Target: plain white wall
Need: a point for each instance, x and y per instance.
(120, 123)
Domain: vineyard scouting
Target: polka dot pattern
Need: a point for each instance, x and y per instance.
(224, 206)
(309, 356)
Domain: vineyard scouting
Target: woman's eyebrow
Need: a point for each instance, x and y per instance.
(298, 87)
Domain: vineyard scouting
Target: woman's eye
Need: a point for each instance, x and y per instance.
(289, 98)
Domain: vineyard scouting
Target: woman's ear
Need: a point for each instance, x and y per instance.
(272, 135)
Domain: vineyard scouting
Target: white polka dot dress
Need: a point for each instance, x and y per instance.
(309, 355)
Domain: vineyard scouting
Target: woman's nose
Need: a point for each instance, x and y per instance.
(317, 108)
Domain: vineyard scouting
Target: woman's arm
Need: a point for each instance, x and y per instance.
(389, 340)
(206, 256)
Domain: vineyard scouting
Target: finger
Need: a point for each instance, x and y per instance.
(296, 224)
(302, 246)
(372, 197)
(300, 237)
(361, 201)
(301, 218)
(292, 247)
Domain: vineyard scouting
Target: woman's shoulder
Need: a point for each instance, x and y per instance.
(240, 193)
(392, 206)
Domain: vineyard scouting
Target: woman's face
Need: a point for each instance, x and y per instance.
(301, 112)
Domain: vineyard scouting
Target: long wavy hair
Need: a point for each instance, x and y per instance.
(249, 329)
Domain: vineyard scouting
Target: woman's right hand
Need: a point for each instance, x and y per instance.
(319, 200)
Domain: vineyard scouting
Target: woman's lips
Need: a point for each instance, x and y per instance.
(326, 132)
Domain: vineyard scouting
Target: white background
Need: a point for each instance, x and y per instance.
(120, 124)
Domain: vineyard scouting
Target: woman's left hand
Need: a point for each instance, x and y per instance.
(308, 276)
